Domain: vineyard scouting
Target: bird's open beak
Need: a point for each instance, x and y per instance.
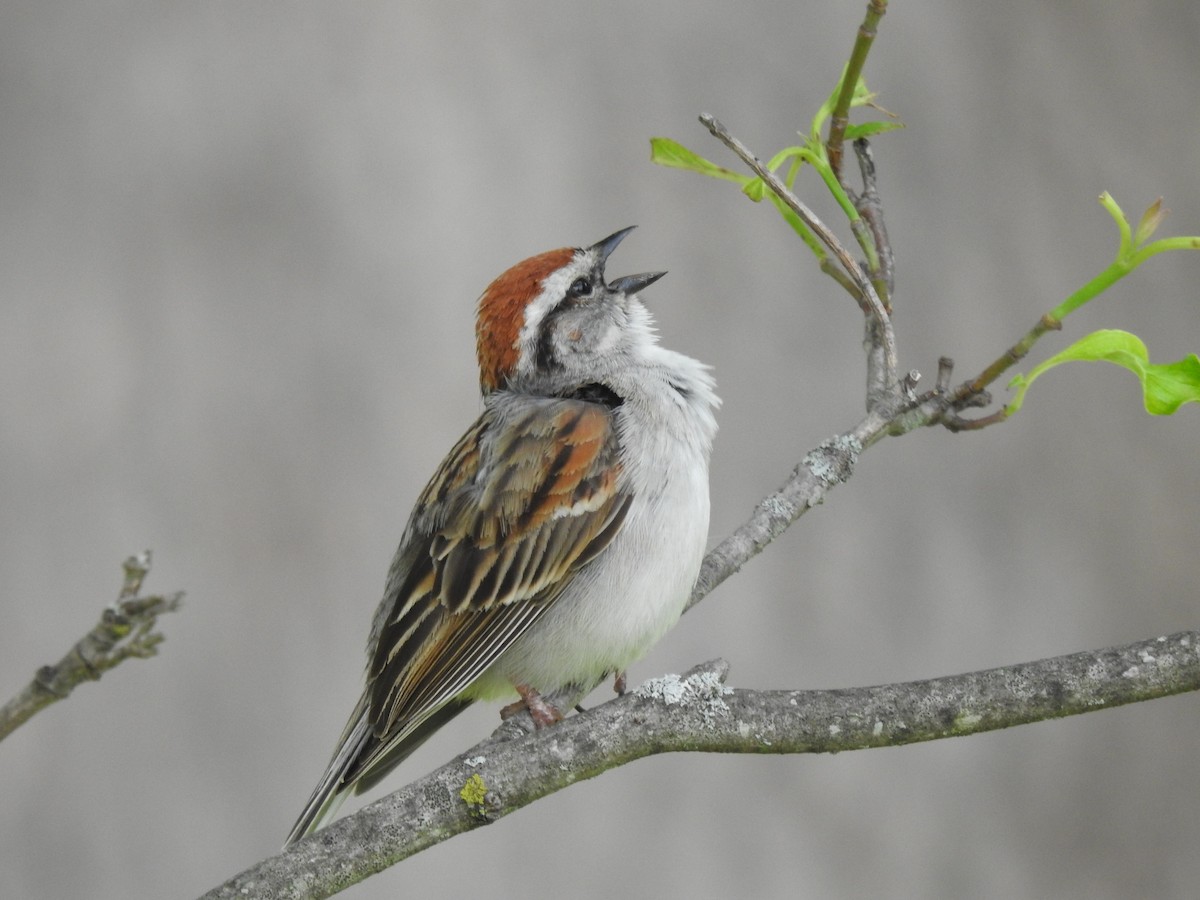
(609, 244)
(628, 284)
(631, 284)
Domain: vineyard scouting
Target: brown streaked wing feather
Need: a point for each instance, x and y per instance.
(531, 498)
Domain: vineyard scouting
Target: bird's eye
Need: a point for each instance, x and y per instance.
(580, 287)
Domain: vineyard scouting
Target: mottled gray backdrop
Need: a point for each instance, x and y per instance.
(240, 246)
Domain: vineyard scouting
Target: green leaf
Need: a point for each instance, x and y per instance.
(862, 96)
(1132, 252)
(866, 129)
(1165, 387)
(755, 188)
(666, 152)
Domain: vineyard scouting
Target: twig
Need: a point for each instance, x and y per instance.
(969, 393)
(125, 630)
(840, 117)
(886, 337)
(821, 470)
(892, 408)
(870, 207)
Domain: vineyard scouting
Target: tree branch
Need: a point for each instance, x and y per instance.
(699, 713)
(125, 630)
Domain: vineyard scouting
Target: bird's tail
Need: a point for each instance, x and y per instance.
(333, 788)
(360, 762)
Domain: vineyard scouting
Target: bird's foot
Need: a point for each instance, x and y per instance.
(619, 683)
(541, 711)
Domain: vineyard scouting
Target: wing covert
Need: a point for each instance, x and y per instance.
(521, 503)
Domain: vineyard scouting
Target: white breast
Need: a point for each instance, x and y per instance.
(623, 602)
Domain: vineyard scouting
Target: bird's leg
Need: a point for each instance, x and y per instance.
(619, 686)
(542, 712)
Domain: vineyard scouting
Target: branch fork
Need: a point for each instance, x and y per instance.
(126, 630)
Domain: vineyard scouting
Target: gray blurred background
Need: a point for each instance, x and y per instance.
(240, 246)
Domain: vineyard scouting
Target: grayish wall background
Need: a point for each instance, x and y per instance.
(240, 246)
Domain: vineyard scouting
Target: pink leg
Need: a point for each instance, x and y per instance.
(543, 713)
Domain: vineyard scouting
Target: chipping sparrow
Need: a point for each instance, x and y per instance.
(561, 536)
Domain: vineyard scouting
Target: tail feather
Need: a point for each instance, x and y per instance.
(333, 788)
(360, 763)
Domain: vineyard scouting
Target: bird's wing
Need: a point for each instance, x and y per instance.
(522, 502)
(517, 507)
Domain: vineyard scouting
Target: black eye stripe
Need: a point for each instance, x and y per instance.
(545, 358)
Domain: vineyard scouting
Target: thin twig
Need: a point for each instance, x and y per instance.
(125, 630)
(821, 470)
(971, 393)
(827, 237)
(840, 117)
(1011, 356)
(870, 207)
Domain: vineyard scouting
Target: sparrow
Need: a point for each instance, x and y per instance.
(561, 536)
